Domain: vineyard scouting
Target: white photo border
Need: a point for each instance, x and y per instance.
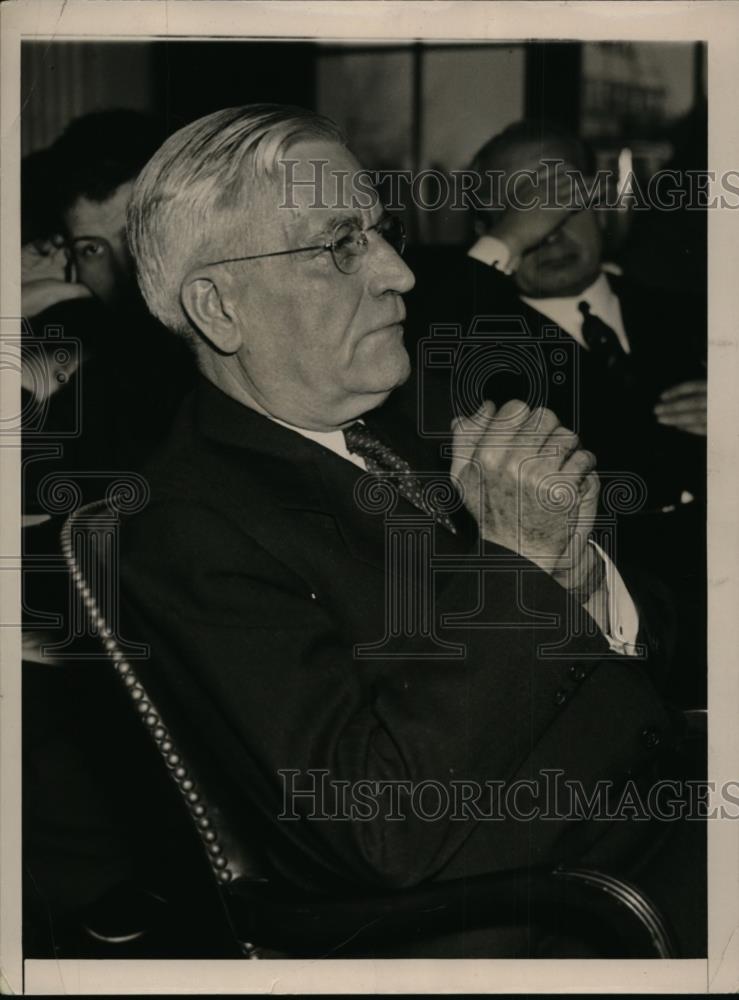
(364, 20)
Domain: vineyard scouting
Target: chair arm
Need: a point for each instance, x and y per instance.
(628, 924)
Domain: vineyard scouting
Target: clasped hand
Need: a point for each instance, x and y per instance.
(531, 488)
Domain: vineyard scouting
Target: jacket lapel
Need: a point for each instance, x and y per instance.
(301, 475)
(296, 473)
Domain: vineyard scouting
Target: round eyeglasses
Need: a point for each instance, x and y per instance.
(348, 244)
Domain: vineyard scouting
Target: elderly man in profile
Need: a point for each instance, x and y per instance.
(262, 582)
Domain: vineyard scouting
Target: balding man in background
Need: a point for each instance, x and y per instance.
(620, 363)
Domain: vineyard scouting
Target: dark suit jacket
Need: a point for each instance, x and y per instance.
(538, 362)
(253, 575)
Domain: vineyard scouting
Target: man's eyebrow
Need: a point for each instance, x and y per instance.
(122, 232)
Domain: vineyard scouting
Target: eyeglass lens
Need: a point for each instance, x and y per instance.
(349, 243)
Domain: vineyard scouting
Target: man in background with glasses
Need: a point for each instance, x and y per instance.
(260, 572)
(75, 195)
(94, 404)
(77, 275)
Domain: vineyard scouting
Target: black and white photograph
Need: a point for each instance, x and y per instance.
(369, 521)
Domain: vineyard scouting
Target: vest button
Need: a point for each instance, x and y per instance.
(651, 738)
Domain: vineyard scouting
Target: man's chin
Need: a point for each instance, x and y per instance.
(382, 388)
(402, 370)
(558, 282)
(400, 374)
(386, 367)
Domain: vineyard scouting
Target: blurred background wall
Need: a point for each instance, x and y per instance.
(63, 80)
(412, 105)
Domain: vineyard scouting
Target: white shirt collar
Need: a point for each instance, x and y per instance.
(565, 313)
(332, 440)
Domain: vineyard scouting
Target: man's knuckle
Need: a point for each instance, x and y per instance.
(515, 410)
(566, 437)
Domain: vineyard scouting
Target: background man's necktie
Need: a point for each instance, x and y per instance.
(380, 458)
(600, 338)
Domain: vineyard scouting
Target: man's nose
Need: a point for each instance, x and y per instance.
(557, 236)
(388, 270)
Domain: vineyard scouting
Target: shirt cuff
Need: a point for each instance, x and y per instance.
(495, 253)
(623, 618)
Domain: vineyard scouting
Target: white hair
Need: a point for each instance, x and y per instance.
(194, 180)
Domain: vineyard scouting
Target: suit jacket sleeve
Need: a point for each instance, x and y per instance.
(269, 676)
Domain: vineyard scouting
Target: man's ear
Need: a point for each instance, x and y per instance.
(205, 300)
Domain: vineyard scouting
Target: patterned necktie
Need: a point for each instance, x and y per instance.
(601, 340)
(381, 459)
